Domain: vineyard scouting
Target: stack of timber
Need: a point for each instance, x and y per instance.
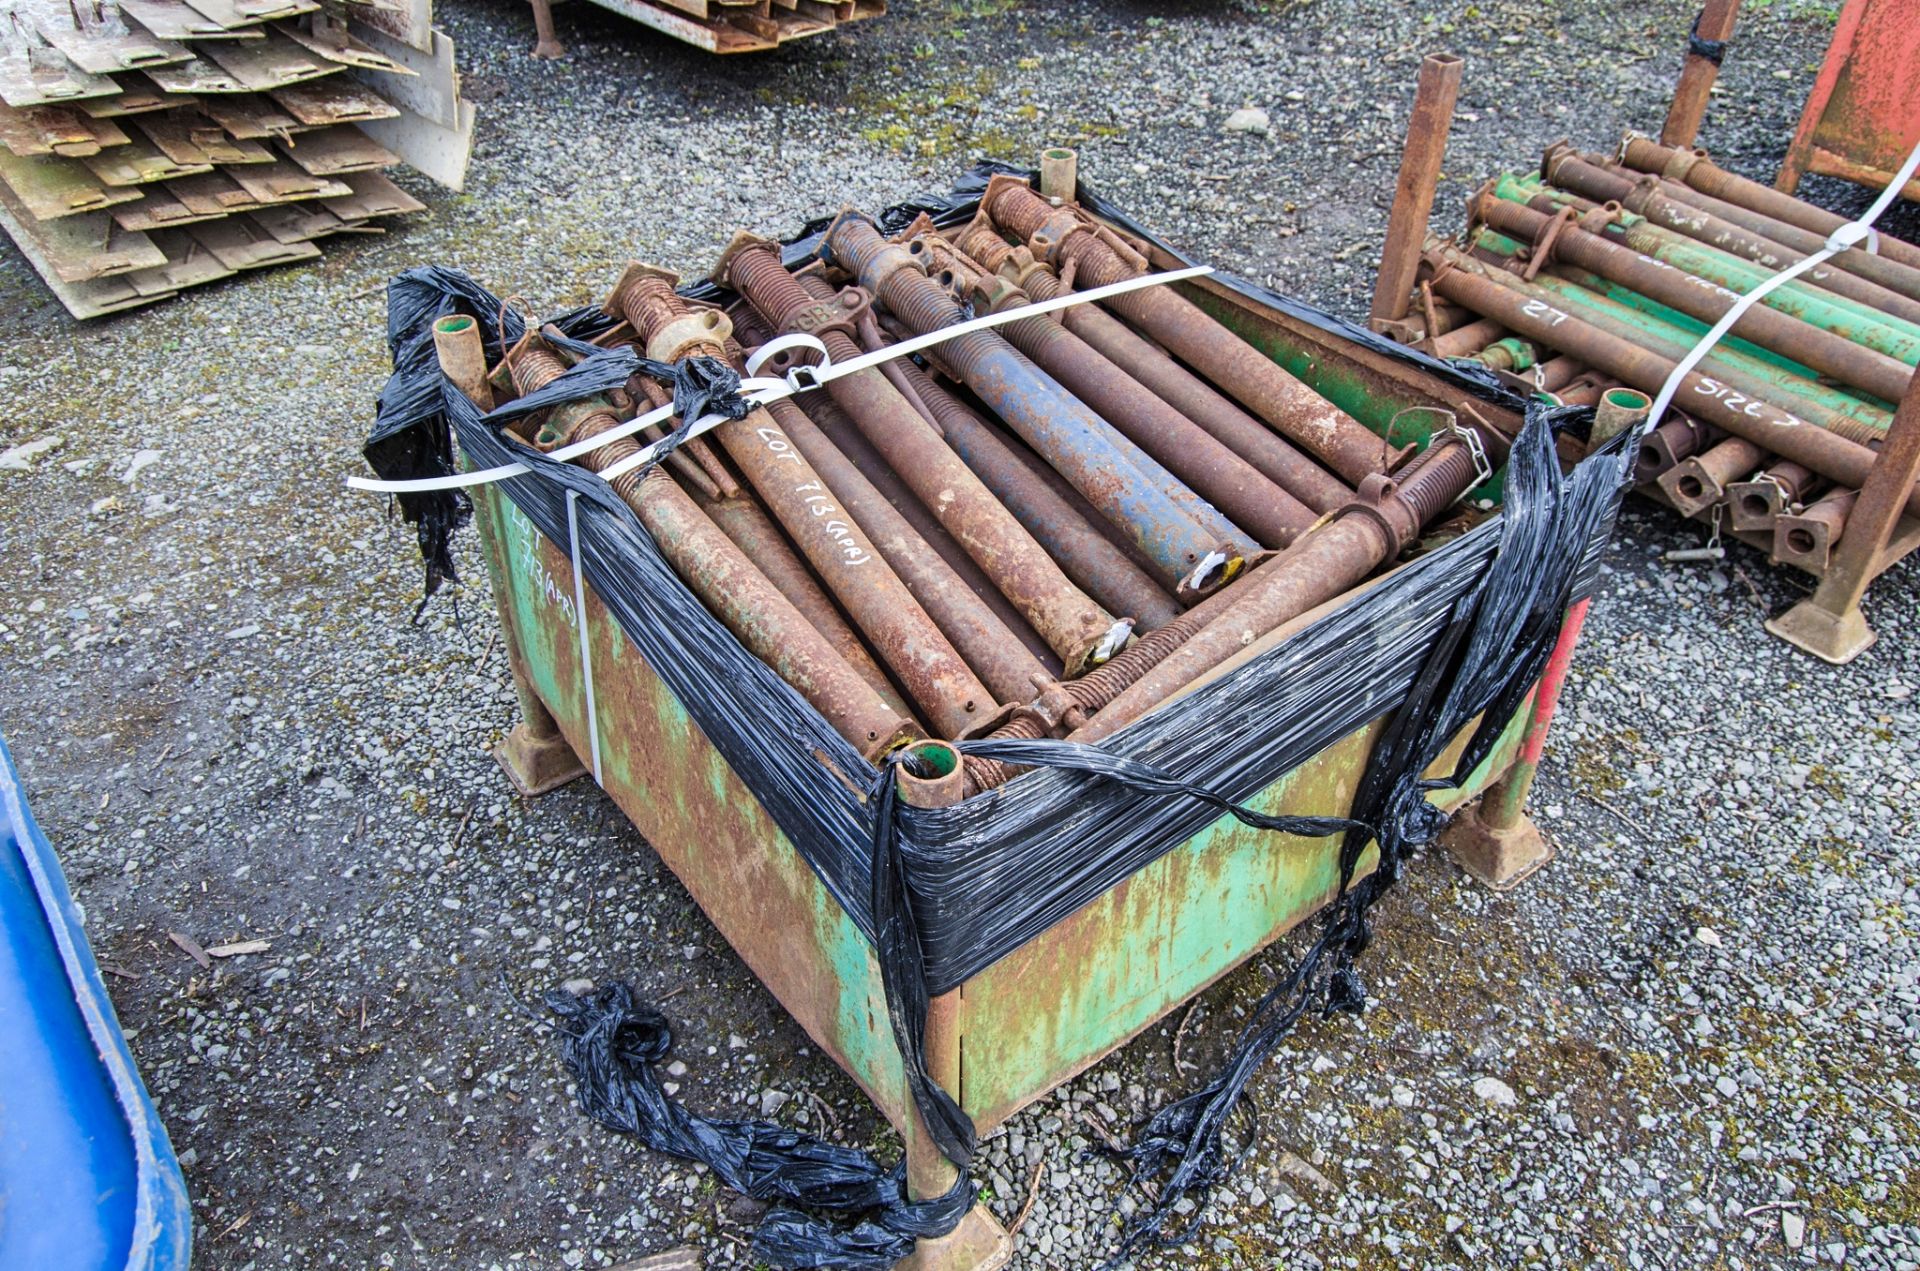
(147, 146)
(722, 26)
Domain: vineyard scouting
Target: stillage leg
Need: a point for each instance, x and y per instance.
(1829, 624)
(1494, 840)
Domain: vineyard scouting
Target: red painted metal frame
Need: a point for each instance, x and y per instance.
(1862, 119)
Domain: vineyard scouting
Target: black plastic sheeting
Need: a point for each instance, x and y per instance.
(610, 1045)
(946, 892)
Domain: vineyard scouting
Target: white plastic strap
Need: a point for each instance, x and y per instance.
(580, 618)
(1849, 235)
(760, 390)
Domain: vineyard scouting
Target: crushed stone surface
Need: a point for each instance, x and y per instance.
(1692, 1041)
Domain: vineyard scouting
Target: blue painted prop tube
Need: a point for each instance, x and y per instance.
(1054, 422)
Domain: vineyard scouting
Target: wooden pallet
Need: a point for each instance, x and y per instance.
(740, 26)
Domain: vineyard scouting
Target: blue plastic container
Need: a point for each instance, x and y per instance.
(88, 1180)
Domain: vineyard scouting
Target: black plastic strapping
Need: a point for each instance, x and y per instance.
(1714, 51)
(946, 892)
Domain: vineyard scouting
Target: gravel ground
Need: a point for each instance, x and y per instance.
(1693, 1041)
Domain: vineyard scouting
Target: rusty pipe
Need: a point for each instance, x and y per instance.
(1088, 556)
(729, 584)
(1753, 506)
(1670, 208)
(1865, 369)
(1832, 456)
(1383, 517)
(1239, 490)
(1694, 169)
(1053, 421)
(1078, 630)
(1060, 237)
(949, 695)
(463, 356)
(1420, 158)
(1697, 483)
(1189, 395)
(1806, 539)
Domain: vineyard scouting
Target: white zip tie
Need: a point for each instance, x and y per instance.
(1852, 234)
(580, 613)
(760, 390)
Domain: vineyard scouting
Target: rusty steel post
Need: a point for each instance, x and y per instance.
(1074, 626)
(1694, 169)
(1053, 421)
(1558, 372)
(1089, 557)
(1493, 839)
(534, 754)
(1059, 174)
(1805, 538)
(1059, 237)
(1617, 410)
(1753, 506)
(1239, 490)
(1854, 364)
(935, 677)
(979, 1242)
(1172, 383)
(1426, 146)
(995, 651)
(729, 584)
(1714, 25)
(1675, 209)
(546, 44)
(1829, 624)
(463, 357)
(1696, 484)
(1844, 462)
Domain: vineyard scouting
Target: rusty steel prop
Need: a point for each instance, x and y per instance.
(1056, 424)
(745, 522)
(1742, 376)
(995, 651)
(1850, 417)
(1081, 547)
(1869, 371)
(1695, 170)
(936, 678)
(1806, 538)
(1464, 341)
(1420, 158)
(1061, 238)
(1678, 437)
(1077, 629)
(729, 584)
(1752, 419)
(1239, 490)
(1384, 516)
(1188, 394)
(1677, 210)
(1753, 506)
(1697, 483)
